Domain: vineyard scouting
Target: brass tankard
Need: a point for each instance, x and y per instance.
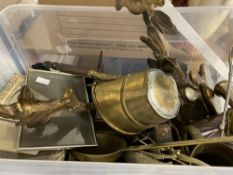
(137, 101)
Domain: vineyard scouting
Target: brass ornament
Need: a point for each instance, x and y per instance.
(35, 113)
(137, 7)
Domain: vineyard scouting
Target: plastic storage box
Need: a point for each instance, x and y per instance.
(31, 33)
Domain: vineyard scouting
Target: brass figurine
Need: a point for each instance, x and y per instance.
(35, 113)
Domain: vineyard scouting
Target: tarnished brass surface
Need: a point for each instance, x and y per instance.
(111, 147)
(140, 157)
(193, 132)
(158, 23)
(189, 160)
(163, 22)
(77, 71)
(138, 6)
(221, 90)
(193, 77)
(101, 76)
(34, 113)
(163, 133)
(106, 151)
(137, 101)
(168, 65)
(174, 144)
(166, 99)
(205, 128)
(13, 85)
(156, 158)
(197, 104)
(207, 96)
(156, 92)
(217, 154)
(107, 99)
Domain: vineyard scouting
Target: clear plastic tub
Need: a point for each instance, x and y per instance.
(31, 34)
(84, 168)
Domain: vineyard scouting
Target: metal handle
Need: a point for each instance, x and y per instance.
(180, 143)
(77, 71)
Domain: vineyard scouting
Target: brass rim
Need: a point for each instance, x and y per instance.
(159, 112)
(111, 156)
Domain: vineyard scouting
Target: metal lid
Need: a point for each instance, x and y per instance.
(163, 94)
